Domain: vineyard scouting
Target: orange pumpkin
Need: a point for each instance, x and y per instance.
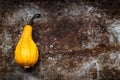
(26, 52)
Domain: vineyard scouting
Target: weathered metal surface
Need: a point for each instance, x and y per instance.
(77, 40)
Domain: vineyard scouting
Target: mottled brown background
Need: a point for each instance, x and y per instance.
(77, 39)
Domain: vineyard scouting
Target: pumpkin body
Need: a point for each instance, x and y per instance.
(26, 52)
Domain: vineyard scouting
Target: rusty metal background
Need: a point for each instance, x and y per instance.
(77, 39)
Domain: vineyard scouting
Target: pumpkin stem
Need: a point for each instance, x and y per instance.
(32, 19)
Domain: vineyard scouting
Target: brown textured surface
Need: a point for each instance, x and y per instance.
(73, 38)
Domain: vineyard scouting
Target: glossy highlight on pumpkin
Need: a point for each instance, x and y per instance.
(26, 52)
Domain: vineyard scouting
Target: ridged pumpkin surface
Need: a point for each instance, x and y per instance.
(26, 52)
